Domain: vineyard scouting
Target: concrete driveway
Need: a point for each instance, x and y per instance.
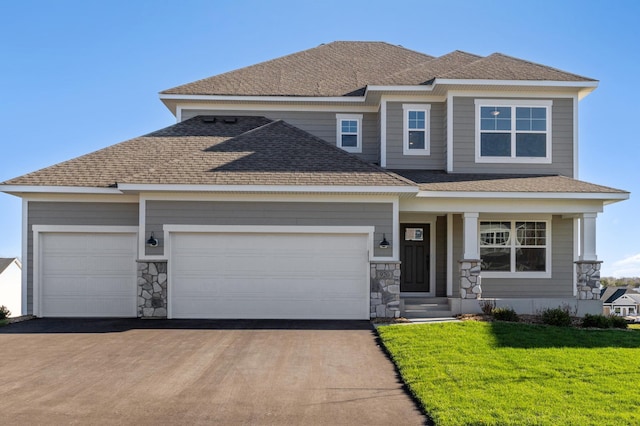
(97, 371)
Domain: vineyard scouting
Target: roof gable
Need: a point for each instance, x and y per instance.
(5, 262)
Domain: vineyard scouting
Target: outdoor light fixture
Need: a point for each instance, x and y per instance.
(384, 243)
(152, 241)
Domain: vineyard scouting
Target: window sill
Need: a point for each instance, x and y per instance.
(512, 160)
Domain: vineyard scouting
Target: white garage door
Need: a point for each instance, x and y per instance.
(88, 275)
(270, 275)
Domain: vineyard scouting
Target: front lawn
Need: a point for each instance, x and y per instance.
(480, 373)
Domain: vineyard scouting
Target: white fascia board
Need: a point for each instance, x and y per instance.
(527, 195)
(268, 188)
(532, 83)
(419, 88)
(346, 99)
(15, 189)
(270, 229)
(268, 197)
(274, 107)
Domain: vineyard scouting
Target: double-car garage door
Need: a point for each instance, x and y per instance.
(211, 275)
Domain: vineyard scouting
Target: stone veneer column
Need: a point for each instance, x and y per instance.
(385, 289)
(152, 289)
(470, 279)
(588, 272)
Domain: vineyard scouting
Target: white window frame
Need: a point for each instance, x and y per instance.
(426, 108)
(513, 103)
(512, 247)
(349, 117)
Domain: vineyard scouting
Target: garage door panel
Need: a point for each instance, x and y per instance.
(269, 276)
(88, 274)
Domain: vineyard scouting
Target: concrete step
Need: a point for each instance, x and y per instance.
(425, 307)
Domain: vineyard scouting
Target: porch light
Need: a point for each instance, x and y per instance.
(384, 243)
(152, 241)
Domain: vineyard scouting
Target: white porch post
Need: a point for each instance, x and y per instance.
(588, 237)
(471, 236)
(470, 280)
(588, 265)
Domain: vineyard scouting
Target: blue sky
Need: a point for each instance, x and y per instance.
(76, 76)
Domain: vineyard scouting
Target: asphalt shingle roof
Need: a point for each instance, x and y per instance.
(5, 262)
(208, 150)
(346, 68)
(334, 69)
(436, 180)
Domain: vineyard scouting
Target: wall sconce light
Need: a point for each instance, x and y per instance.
(152, 241)
(384, 243)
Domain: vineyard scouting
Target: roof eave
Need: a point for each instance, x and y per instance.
(355, 189)
(43, 189)
(606, 197)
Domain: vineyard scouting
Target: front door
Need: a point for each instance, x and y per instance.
(414, 254)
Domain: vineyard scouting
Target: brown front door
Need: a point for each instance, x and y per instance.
(414, 254)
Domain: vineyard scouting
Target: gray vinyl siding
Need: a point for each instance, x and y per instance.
(559, 285)
(318, 123)
(464, 141)
(441, 256)
(379, 215)
(57, 213)
(444, 134)
(395, 128)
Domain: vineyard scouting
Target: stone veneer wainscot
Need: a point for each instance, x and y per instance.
(152, 289)
(385, 290)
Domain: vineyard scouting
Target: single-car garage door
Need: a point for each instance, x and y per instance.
(269, 275)
(87, 275)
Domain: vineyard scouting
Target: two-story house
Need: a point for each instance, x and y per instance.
(337, 182)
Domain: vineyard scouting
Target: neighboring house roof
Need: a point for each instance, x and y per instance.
(617, 292)
(208, 150)
(346, 68)
(627, 299)
(435, 180)
(6, 261)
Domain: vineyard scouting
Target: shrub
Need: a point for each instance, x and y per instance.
(596, 321)
(4, 312)
(556, 316)
(618, 322)
(487, 306)
(505, 314)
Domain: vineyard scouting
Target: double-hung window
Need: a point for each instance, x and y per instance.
(515, 248)
(416, 129)
(349, 132)
(513, 131)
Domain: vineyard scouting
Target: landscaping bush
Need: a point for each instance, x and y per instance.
(4, 312)
(618, 322)
(505, 314)
(556, 316)
(487, 306)
(596, 321)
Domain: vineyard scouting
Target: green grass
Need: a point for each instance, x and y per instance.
(478, 373)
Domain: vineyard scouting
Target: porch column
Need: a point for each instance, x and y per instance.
(588, 237)
(470, 279)
(588, 265)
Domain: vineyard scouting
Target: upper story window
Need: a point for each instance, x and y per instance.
(416, 129)
(515, 248)
(513, 131)
(349, 132)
